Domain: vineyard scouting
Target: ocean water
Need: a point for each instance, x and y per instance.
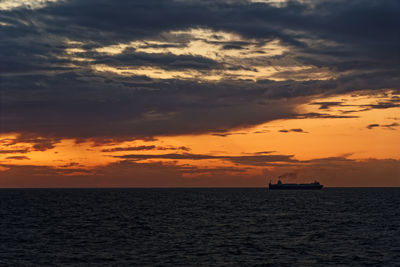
(206, 227)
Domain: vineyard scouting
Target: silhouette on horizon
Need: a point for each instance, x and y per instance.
(281, 186)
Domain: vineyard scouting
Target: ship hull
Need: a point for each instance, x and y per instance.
(295, 187)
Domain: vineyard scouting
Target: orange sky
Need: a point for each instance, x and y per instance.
(345, 143)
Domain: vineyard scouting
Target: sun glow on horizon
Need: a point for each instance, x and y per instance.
(302, 139)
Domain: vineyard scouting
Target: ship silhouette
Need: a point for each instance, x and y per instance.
(281, 186)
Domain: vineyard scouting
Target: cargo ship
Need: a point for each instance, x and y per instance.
(281, 186)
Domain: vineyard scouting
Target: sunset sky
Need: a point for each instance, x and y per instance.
(199, 93)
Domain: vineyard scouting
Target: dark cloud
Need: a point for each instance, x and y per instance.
(230, 46)
(315, 115)
(263, 160)
(226, 133)
(254, 160)
(42, 145)
(168, 61)
(37, 143)
(390, 102)
(221, 134)
(327, 105)
(47, 92)
(385, 104)
(13, 151)
(113, 140)
(374, 125)
(296, 130)
(263, 152)
(145, 148)
(261, 132)
(133, 148)
(68, 106)
(391, 126)
(72, 164)
(168, 156)
(183, 148)
(18, 157)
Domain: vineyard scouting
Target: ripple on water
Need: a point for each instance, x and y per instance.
(114, 227)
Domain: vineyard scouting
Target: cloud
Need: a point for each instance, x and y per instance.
(296, 130)
(224, 133)
(38, 143)
(263, 152)
(72, 164)
(53, 84)
(135, 108)
(18, 157)
(13, 151)
(253, 160)
(134, 148)
(391, 126)
(130, 58)
(328, 104)
(371, 126)
(183, 148)
(315, 115)
(145, 148)
(133, 174)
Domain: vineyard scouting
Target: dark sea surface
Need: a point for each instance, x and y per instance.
(207, 227)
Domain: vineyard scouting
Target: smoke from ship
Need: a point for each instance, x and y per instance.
(288, 176)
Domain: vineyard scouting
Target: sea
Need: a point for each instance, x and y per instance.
(200, 227)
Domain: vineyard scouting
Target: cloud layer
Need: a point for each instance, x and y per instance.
(367, 173)
(137, 69)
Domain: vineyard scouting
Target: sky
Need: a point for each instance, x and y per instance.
(199, 93)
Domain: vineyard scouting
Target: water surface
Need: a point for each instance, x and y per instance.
(114, 227)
